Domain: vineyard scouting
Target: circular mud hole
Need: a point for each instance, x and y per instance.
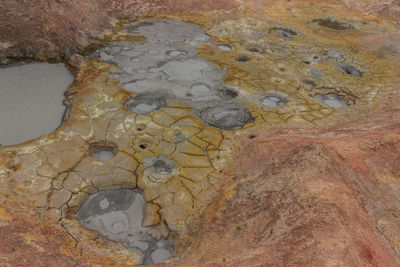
(102, 152)
(117, 214)
(332, 100)
(145, 103)
(226, 117)
(272, 100)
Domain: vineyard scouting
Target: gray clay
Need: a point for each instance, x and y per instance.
(316, 73)
(159, 169)
(332, 100)
(31, 103)
(350, 70)
(226, 117)
(272, 100)
(146, 103)
(334, 54)
(160, 255)
(117, 214)
(161, 166)
(166, 66)
(106, 201)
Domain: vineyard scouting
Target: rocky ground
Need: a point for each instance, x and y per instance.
(245, 133)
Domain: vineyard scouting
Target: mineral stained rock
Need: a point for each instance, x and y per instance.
(208, 133)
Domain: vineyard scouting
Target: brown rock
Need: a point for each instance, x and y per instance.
(151, 215)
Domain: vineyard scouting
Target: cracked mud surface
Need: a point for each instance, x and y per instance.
(217, 138)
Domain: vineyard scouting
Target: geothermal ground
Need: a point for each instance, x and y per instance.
(200, 133)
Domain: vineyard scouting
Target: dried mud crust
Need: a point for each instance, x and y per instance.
(171, 108)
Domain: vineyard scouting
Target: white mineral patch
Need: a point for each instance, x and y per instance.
(31, 102)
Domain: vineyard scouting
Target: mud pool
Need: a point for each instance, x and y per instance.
(31, 102)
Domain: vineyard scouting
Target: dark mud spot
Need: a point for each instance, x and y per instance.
(227, 116)
(284, 32)
(257, 50)
(333, 23)
(161, 166)
(350, 70)
(227, 94)
(242, 59)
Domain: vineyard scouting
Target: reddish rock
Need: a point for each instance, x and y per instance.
(302, 198)
(55, 30)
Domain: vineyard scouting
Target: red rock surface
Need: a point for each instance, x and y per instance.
(306, 199)
(55, 30)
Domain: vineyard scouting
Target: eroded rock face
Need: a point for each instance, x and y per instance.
(267, 135)
(271, 210)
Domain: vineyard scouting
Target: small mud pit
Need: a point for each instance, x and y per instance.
(273, 100)
(227, 94)
(159, 169)
(146, 103)
(332, 100)
(243, 59)
(350, 70)
(226, 117)
(333, 23)
(117, 214)
(101, 152)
